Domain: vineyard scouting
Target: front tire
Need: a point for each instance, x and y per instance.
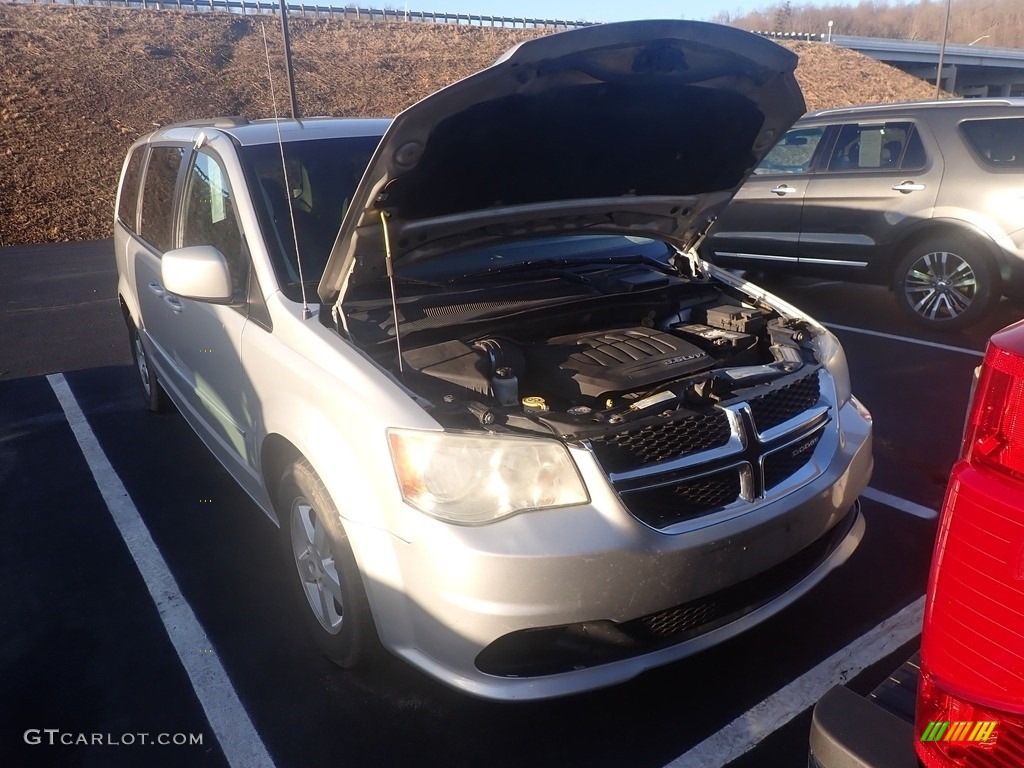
(945, 284)
(155, 398)
(324, 575)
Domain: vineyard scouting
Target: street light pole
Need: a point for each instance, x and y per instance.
(942, 51)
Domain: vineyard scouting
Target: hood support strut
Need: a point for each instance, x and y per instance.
(390, 265)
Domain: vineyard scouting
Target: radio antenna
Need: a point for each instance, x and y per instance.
(306, 313)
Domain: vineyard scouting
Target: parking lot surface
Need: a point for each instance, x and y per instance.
(95, 625)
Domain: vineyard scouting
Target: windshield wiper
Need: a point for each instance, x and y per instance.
(543, 267)
(557, 267)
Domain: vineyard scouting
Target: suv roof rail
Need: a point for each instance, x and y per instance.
(994, 101)
(225, 121)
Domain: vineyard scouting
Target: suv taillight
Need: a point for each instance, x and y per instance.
(972, 645)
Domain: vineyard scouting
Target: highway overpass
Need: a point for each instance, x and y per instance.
(968, 70)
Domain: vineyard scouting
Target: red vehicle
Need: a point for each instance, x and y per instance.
(969, 709)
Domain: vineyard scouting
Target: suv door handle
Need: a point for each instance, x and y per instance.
(173, 302)
(157, 289)
(783, 189)
(908, 186)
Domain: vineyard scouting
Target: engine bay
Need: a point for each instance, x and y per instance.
(629, 346)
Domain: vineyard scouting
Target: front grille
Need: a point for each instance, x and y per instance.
(774, 407)
(667, 505)
(683, 618)
(782, 464)
(662, 442)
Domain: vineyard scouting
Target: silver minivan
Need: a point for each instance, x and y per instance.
(924, 197)
(512, 428)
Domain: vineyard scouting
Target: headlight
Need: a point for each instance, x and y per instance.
(475, 479)
(830, 354)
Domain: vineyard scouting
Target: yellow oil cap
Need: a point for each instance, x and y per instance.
(534, 404)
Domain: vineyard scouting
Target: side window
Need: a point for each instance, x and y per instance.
(210, 216)
(793, 154)
(913, 154)
(885, 146)
(1000, 143)
(128, 198)
(156, 225)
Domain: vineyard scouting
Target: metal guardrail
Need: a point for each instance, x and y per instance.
(316, 10)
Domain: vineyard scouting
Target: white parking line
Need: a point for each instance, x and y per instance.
(748, 730)
(918, 510)
(907, 339)
(231, 725)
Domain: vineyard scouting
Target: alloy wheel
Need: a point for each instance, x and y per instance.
(318, 571)
(142, 364)
(940, 285)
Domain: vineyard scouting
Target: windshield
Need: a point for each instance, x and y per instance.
(322, 174)
(565, 250)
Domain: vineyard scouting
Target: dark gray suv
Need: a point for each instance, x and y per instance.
(926, 197)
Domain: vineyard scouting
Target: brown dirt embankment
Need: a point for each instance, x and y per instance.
(80, 84)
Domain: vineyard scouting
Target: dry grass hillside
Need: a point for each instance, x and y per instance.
(80, 84)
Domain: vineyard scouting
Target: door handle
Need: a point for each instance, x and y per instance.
(172, 302)
(783, 189)
(907, 186)
(157, 289)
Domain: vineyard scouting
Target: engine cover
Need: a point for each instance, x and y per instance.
(603, 362)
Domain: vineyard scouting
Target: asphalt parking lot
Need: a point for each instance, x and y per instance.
(214, 661)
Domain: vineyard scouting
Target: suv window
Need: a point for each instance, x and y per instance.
(158, 196)
(793, 154)
(862, 146)
(210, 216)
(999, 142)
(128, 200)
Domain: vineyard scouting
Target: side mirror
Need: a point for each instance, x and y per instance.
(198, 272)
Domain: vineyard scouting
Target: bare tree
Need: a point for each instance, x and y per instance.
(982, 22)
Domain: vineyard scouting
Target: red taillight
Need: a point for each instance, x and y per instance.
(972, 646)
(995, 429)
(975, 737)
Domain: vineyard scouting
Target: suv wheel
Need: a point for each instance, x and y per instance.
(944, 284)
(154, 395)
(328, 585)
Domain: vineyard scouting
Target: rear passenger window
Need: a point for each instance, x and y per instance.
(156, 225)
(793, 154)
(865, 147)
(128, 199)
(999, 142)
(210, 216)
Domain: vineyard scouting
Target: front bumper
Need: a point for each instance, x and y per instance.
(441, 600)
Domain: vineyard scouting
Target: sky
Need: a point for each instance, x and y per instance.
(599, 10)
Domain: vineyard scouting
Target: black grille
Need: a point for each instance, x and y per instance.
(772, 408)
(670, 504)
(662, 442)
(783, 463)
(681, 619)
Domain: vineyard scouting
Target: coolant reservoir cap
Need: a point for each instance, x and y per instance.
(505, 372)
(534, 404)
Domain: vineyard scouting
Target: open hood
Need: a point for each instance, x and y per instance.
(644, 128)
